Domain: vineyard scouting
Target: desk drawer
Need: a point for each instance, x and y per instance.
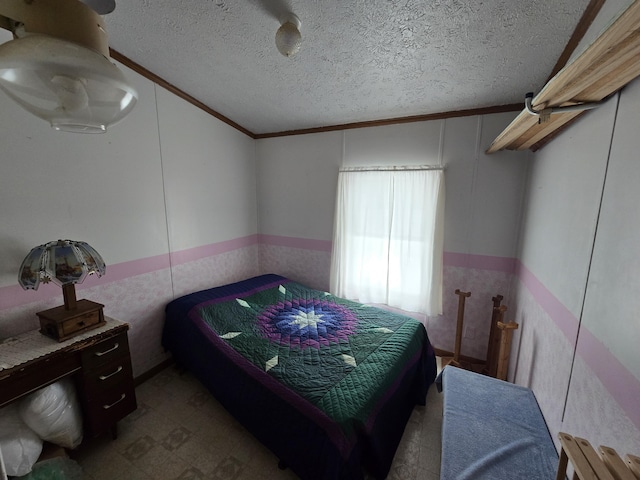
(99, 364)
(107, 382)
(105, 352)
(82, 322)
(105, 410)
(36, 376)
(117, 372)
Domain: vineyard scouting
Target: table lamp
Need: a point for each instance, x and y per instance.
(65, 263)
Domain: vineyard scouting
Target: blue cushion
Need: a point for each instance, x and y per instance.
(493, 430)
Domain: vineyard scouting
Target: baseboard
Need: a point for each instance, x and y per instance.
(152, 372)
(464, 358)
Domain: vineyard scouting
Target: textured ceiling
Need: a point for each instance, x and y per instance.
(359, 61)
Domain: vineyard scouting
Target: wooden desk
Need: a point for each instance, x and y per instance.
(98, 361)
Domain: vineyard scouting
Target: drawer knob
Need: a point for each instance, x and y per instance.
(104, 377)
(122, 397)
(115, 347)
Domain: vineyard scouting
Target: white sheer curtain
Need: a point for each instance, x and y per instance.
(388, 238)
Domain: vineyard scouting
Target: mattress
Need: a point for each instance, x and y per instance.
(325, 383)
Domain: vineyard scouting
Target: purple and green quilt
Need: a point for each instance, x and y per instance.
(326, 383)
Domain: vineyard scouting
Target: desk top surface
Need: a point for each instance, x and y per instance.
(29, 346)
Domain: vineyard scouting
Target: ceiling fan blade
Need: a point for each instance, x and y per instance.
(102, 7)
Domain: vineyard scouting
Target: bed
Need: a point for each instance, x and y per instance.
(325, 383)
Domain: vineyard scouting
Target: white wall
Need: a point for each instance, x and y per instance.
(578, 280)
(172, 197)
(483, 205)
(296, 185)
(611, 300)
(167, 197)
(160, 192)
(404, 144)
(209, 175)
(297, 179)
(610, 329)
(484, 192)
(63, 185)
(559, 221)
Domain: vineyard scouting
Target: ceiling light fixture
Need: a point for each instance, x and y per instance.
(288, 37)
(58, 66)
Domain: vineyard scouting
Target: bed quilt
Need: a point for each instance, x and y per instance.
(347, 374)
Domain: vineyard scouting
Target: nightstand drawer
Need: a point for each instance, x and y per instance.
(105, 352)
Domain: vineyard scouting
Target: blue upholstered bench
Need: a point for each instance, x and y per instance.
(492, 430)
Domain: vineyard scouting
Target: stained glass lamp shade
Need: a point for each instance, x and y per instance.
(63, 262)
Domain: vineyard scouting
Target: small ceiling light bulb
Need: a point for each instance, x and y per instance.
(288, 37)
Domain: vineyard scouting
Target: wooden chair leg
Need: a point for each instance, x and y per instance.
(505, 348)
(462, 296)
(493, 348)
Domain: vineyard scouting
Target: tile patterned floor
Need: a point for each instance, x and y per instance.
(179, 431)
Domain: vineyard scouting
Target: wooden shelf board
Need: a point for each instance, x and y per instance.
(536, 135)
(611, 62)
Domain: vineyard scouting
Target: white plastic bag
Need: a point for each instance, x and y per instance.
(20, 446)
(54, 414)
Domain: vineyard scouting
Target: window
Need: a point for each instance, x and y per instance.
(388, 237)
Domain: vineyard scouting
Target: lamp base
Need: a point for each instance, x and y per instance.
(62, 324)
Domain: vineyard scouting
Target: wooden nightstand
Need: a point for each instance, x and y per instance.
(98, 361)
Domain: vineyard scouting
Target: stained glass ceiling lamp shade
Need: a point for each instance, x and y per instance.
(65, 263)
(58, 66)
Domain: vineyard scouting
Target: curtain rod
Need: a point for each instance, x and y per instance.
(391, 168)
